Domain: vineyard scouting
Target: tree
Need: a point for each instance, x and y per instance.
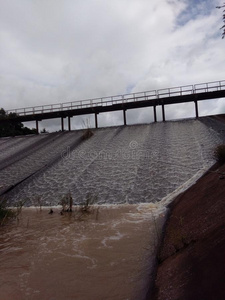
(2, 113)
(12, 127)
(223, 27)
(44, 131)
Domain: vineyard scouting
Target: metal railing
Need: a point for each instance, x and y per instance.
(119, 99)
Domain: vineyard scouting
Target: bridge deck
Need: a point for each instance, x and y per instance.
(153, 98)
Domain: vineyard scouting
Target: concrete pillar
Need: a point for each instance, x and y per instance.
(62, 124)
(96, 120)
(155, 115)
(163, 113)
(196, 108)
(37, 127)
(124, 117)
(69, 124)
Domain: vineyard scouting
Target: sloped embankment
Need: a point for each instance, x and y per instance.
(126, 164)
(192, 255)
(23, 157)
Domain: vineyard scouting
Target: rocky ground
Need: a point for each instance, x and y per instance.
(192, 255)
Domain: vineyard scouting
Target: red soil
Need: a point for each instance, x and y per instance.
(192, 255)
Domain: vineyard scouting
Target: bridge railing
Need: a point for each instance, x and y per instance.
(118, 99)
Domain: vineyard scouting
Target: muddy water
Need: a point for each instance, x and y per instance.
(105, 254)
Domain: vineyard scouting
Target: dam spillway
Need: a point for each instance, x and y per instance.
(117, 165)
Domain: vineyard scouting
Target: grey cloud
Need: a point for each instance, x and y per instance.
(58, 51)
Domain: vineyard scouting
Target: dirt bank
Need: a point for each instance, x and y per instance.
(192, 255)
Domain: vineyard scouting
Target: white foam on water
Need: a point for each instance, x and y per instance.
(134, 164)
(161, 207)
(115, 237)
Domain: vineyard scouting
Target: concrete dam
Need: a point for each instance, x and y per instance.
(128, 164)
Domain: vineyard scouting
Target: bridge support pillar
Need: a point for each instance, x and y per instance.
(96, 120)
(62, 124)
(37, 127)
(196, 109)
(163, 113)
(69, 123)
(155, 115)
(124, 117)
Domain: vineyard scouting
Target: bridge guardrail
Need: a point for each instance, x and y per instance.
(118, 99)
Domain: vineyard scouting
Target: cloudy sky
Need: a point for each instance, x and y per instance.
(54, 51)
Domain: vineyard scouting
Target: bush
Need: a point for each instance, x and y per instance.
(5, 213)
(88, 204)
(87, 134)
(13, 127)
(219, 154)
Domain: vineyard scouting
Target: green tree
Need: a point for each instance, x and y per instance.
(12, 127)
(2, 113)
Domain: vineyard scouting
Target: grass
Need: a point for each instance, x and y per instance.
(38, 202)
(5, 213)
(88, 204)
(67, 203)
(19, 206)
(18, 211)
(81, 211)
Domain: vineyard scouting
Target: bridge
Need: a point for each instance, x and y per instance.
(153, 98)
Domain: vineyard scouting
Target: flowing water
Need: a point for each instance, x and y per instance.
(132, 164)
(109, 252)
(104, 254)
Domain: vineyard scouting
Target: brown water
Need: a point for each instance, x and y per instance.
(106, 254)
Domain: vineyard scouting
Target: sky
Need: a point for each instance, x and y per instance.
(54, 51)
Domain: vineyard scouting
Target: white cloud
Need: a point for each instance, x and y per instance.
(57, 51)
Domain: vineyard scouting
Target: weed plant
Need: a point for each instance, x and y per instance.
(5, 213)
(38, 202)
(87, 132)
(67, 203)
(88, 204)
(81, 211)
